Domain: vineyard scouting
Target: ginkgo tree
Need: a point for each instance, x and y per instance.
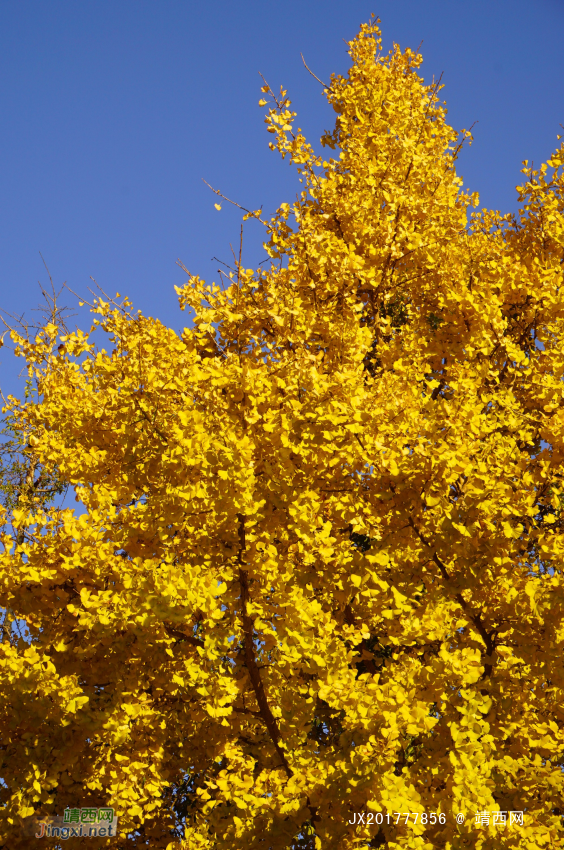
(316, 576)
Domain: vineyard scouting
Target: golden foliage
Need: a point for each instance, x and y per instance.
(319, 566)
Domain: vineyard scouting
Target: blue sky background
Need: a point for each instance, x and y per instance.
(113, 110)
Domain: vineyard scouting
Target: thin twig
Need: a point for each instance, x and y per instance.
(312, 74)
(240, 254)
(105, 294)
(279, 103)
(235, 204)
(224, 264)
(80, 298)
(183, 267)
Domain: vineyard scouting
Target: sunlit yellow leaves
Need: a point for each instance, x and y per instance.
(76, 703)
(317, 567)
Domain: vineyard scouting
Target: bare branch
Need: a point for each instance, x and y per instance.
(312, 74)
(108, 297)
(250, 661)
(240, 255)
(235, 204)
(180, 636)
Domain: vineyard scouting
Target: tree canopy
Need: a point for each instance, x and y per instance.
(317, 567)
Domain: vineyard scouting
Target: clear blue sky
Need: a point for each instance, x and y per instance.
(113, 110)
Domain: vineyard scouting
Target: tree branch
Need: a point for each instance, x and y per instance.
(250, 661)
(475, 619)
(180, 636)
(312, 74)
